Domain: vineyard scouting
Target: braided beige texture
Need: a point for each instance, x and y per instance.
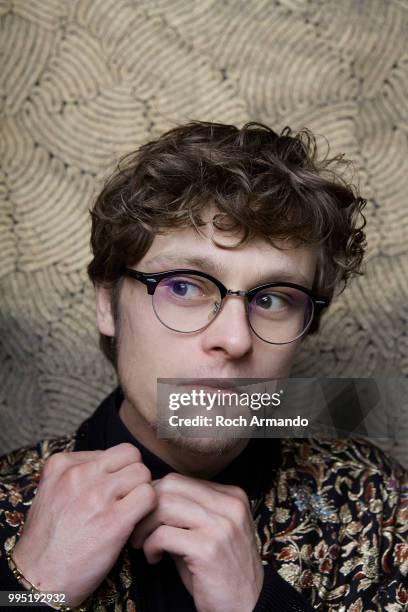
(87, 80)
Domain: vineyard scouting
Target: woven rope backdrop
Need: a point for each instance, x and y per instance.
(84, 81)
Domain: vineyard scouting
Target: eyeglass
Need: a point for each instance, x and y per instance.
(188, 301)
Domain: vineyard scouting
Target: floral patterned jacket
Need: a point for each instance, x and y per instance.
(334, 525)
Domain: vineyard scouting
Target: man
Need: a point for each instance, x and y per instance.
(117, 518)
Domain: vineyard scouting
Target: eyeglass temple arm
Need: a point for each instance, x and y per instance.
(146, 279)
(322, 302)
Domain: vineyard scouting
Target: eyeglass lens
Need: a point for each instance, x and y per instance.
(188, 303)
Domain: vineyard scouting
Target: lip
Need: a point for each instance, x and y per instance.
(210, 383)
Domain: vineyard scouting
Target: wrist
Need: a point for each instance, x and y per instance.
(30, 586)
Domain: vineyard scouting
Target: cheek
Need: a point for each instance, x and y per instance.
(135, 338)
(276, 361)
(145, 346)
(138, 361)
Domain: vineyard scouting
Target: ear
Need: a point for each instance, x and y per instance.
(104, 314)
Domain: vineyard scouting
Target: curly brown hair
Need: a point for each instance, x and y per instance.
(267, 185)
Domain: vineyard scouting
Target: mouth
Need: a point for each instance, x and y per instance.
(213, 384)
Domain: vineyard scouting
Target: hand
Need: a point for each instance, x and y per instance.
(208, 530)
(86, 506)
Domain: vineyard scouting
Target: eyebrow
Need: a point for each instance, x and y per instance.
(206, 264)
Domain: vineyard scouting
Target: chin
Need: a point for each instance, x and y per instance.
(204, 446)
(181, 439)
(195, 445)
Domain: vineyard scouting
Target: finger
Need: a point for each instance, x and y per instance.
(119, 456)
(85, 455)
(183, 572)
(222, 488)
(57, 463)
(216, 498)
(125, 480)
(232, 490)
(135, 505)
(173, 511)
(107, 461)
(111, 459)
(169, 539)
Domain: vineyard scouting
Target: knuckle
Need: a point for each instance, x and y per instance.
(131, 451)
(165, 502)
(210, 550)
(159, 534)
(239, 494)
(73, 476)
(226, 530)
(168, 481)
(143, 473)
(148, 494)
(238, 510)
(54, 463)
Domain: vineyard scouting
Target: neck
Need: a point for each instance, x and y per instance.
(206, 465)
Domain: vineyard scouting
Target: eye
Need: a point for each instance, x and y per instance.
(271, 301)
(184, 288)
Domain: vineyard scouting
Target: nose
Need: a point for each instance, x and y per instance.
(229, 332)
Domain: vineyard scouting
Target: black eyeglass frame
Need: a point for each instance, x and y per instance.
(152, 280)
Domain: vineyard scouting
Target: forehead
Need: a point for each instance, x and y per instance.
(256, 261)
